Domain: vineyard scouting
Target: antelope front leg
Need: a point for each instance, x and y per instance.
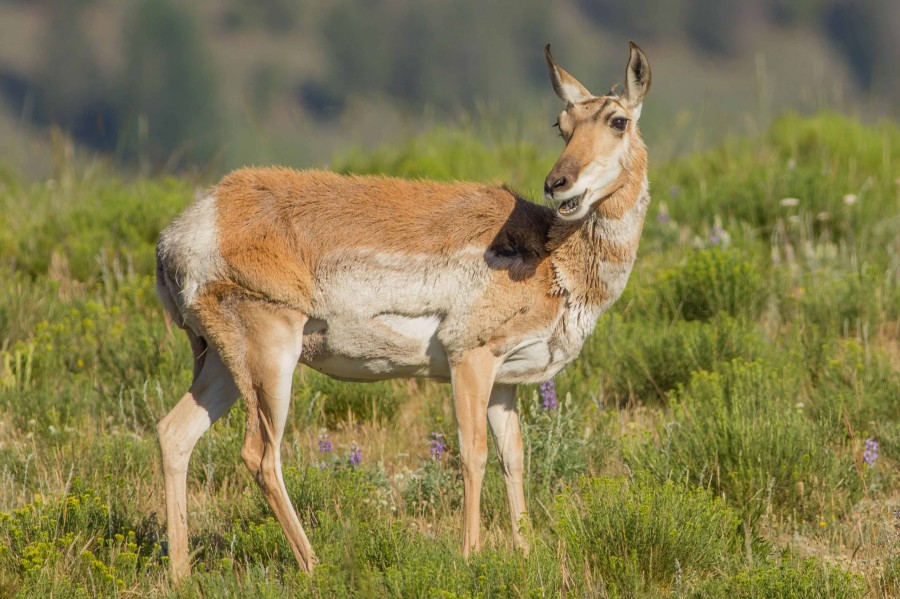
(472, 378)
(504, 420)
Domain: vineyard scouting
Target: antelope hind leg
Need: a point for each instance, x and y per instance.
(274, 341)
(211, 394)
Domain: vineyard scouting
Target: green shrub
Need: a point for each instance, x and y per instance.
(327, 501)
(216, 458)
(81, 540)
(340, 401)
(434, 485)
(788, 579)
(555, 443)
(834, 303)
(889, 581)
(95, 216)
(93, 355)
(314, 490)
(888, 435)
(856, 383)
(23, 304)
(251, 541)
(392, 561)
(740, 433)
(639, 537)
(645, 360)
(815, 160)
(365, 550)
(714, 281)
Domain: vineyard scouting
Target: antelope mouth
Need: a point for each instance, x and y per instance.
(570, 206)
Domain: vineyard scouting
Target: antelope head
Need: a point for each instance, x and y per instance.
(598, 131)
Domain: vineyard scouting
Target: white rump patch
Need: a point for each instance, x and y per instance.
(190, 246)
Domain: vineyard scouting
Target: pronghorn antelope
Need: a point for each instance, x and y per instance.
(370, 278)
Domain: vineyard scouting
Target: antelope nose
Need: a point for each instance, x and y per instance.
(550, 185)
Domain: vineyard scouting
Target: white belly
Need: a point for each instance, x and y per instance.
(391, 317)
(400, 346)
(390, 346)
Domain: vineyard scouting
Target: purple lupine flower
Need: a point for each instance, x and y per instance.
(355, 455)
(548, 395)
(325, 445)
(870, 452)
(716, 235)
(438, 447)
(663, 218)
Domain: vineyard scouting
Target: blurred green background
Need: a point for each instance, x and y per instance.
(212, 85)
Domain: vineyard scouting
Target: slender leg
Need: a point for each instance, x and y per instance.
(504, 421)
(274, 358)
(472, 378)
(211, 395)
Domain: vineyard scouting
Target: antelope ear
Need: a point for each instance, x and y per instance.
(566, 87)
(637, 79)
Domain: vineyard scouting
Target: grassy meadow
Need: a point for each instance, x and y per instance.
(731, 429)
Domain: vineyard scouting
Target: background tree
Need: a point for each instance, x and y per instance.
(170, 98)
(69, 90)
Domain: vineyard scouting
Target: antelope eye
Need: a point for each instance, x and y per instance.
(618, 123)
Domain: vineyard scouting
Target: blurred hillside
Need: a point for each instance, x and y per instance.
(161, 84)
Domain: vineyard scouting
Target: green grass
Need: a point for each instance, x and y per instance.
(742, 433)
(637, 538)
(709, 441)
